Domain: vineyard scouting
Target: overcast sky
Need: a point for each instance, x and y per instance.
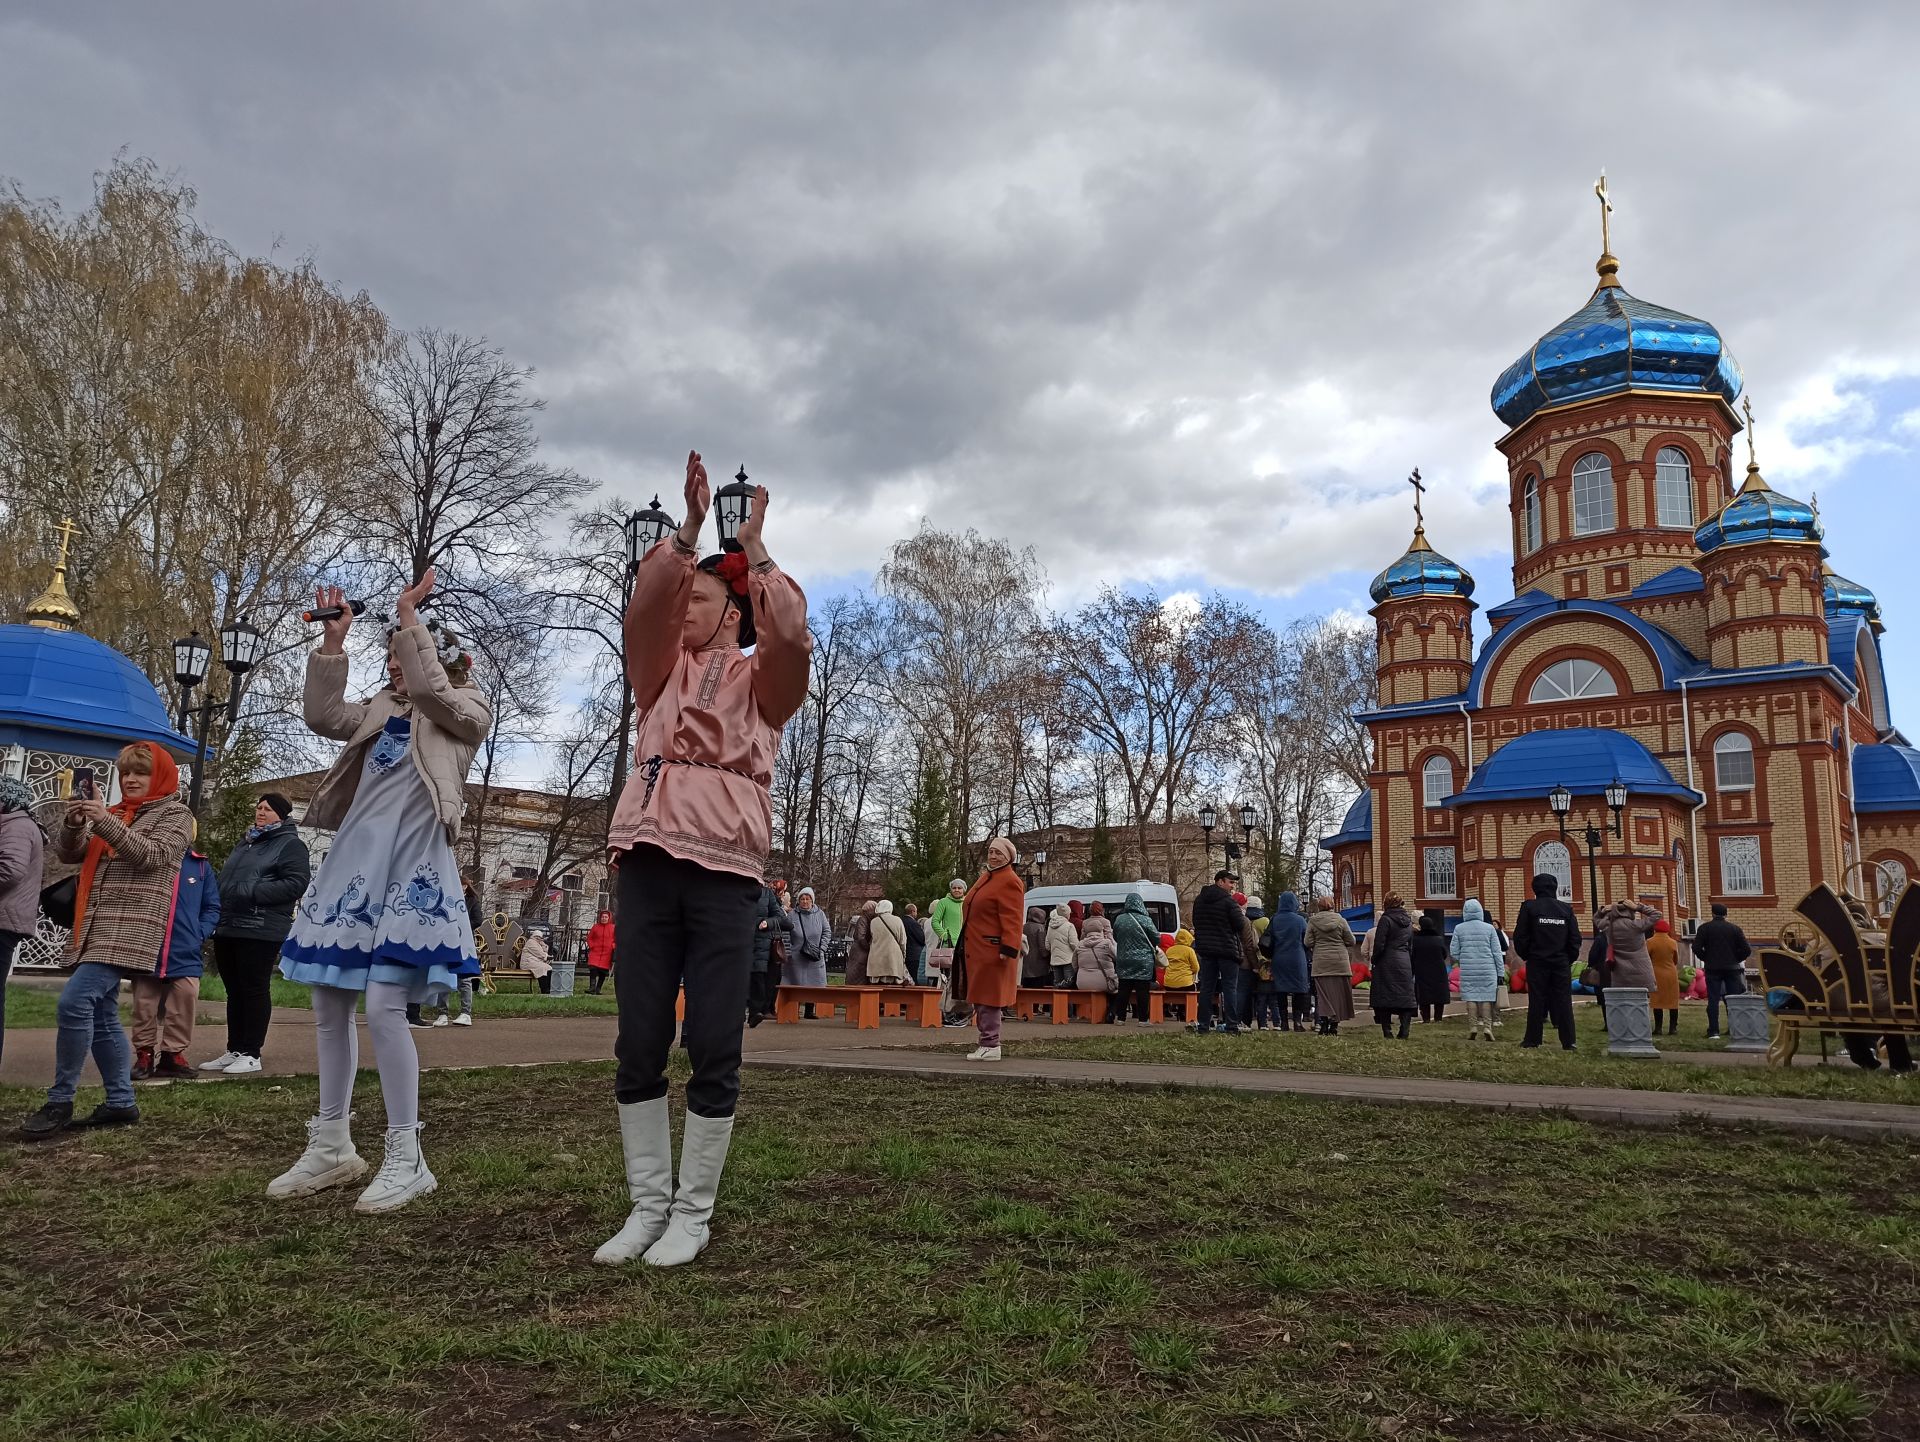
(1178, 293)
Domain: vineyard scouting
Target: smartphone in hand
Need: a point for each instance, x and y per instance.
(83, 783)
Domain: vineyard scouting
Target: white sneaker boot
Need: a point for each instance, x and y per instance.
(648, 1144)
(403, 1173)
(221, 1062)
(329, 1161)
(984, 1053)
(703, 1156)
(464, 1019)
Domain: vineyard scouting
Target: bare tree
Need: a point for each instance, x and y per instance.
(519, 693)
(575, 828)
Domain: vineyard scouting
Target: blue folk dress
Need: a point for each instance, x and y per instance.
(386, 904)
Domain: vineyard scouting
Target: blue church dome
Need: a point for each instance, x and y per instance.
(1757, 513)
(1422, 571)
(1584, 759)
(1886, 778)
(1356, 825)
(66, 692)
(1616, 342)
(1844, 597)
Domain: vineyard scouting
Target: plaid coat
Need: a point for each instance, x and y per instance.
(131, 906)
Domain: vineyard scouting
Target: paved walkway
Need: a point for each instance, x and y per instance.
(939, 1054)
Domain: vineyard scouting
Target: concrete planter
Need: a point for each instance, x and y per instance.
(1630, 1022)
(1747, 1024)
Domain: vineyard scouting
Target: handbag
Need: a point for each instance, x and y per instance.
(57, 900)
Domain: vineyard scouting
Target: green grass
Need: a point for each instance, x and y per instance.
(33, 1006)
(896, 1259)
(1442, 1050)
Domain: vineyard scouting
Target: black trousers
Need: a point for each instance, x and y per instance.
(761, 987)
(681, 924)
(1861, 1049)
(1302, 1008)
(1549, 993)
(595, 980)
(1136, 992)
(246, 968)
(8, 941)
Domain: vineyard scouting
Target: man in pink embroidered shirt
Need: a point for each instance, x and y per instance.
(689, 842)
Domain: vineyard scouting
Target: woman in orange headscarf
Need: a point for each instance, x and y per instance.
(1664, 952)
(129, 854)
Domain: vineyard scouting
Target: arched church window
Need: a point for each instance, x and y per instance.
(1890, 879)
(1673, 487)
(1530, 515)
(1573, 680)
(1592, 494)
(1679, 875)
(1346, 887)
(1437, 777)
(1733, 762)
(1551, 858)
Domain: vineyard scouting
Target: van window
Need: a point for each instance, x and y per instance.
(1162, 914)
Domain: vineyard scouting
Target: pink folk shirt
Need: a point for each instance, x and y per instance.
(719, 709)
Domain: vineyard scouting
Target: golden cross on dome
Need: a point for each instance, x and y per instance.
(1419, 488)
(1606, 209)
(66, 530)
(1746, 406)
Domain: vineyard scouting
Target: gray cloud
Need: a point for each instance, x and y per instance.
(1173, 289)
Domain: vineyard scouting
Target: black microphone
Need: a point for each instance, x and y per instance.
(333, 613)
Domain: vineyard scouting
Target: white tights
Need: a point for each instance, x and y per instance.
(393, 1050)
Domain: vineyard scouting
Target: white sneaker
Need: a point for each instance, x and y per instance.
(464, 1019)
(221, 1062)
(440, 1020)
(403, 1174)
(984, 1053)
(328, 1161)
(241, 1065)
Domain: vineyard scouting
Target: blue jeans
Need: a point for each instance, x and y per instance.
(1719, 984)
(89, 1018)
(1221, 976)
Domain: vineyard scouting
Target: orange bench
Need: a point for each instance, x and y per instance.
(861, 1003)
(1061, 1003)
(922, 1002)
(1187, 1001)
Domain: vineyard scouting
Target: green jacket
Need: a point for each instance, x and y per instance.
(944, 917)
(1136, 940)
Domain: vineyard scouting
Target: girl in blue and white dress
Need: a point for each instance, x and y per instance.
(385, 916)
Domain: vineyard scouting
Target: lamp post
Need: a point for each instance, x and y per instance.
(1040, 867)
(1249, 823)
(1208, 816)
(732, 503)
(1560, 801)
(242, 647)
(644, 530)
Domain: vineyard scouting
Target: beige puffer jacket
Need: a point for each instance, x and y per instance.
(449, 722)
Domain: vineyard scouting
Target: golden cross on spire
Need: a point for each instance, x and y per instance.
(54, 608)
(1746, 406)
(1606, 209)
(66, 530)
(1419, 489)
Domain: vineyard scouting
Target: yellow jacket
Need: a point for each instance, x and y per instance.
(1183, 964)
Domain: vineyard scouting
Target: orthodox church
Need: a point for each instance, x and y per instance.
(1679, 658)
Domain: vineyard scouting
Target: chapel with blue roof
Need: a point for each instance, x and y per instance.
(1670, 628)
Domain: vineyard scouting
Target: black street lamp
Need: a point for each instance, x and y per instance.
(732, 504)
(1560, 802)
(1040, 867)
(643, 530)
(1208, 816)
(242, 648)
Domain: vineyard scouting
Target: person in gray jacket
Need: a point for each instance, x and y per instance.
(262, 879)
(808, 935)
(22, 853)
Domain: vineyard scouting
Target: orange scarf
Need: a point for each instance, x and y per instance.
(165, 782)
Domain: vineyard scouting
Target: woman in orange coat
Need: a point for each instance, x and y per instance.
(1665, 954)
(599, 952)
(992, 920)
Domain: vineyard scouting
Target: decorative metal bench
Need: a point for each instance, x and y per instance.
(1840, 968)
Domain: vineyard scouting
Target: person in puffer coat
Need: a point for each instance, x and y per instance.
(1093, 958)
(1483, 962)
(1285, 946)
(769, 923)
(1329, 944)
(1136, 945)
(887, 948)
(165, 998)
(1036, 969)
(1391, 989)
(1063, 940)
(1626, 926)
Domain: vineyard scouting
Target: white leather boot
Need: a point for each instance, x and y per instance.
(403, 1174)
(703, 1156)
(648, 1144)
(329, 1161)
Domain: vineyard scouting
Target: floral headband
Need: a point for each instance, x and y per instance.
(732, 568)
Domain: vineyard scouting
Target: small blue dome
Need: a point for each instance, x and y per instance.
(1584, 759)
(1758, 513)
(62, 690)
(1357, 825)
(1422, 571)
(1616, 342)
(1886, 778)
(1846, 597)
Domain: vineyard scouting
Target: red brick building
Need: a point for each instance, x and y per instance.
(1667, 631)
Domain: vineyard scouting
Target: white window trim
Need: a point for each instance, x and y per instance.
(1530, 516)
(1605, 472)
(1429, 770)
(1427, 857)
(1744, 749)
(1686, 490)
(1565, 878)
(1727, 878)
(1566, 690)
